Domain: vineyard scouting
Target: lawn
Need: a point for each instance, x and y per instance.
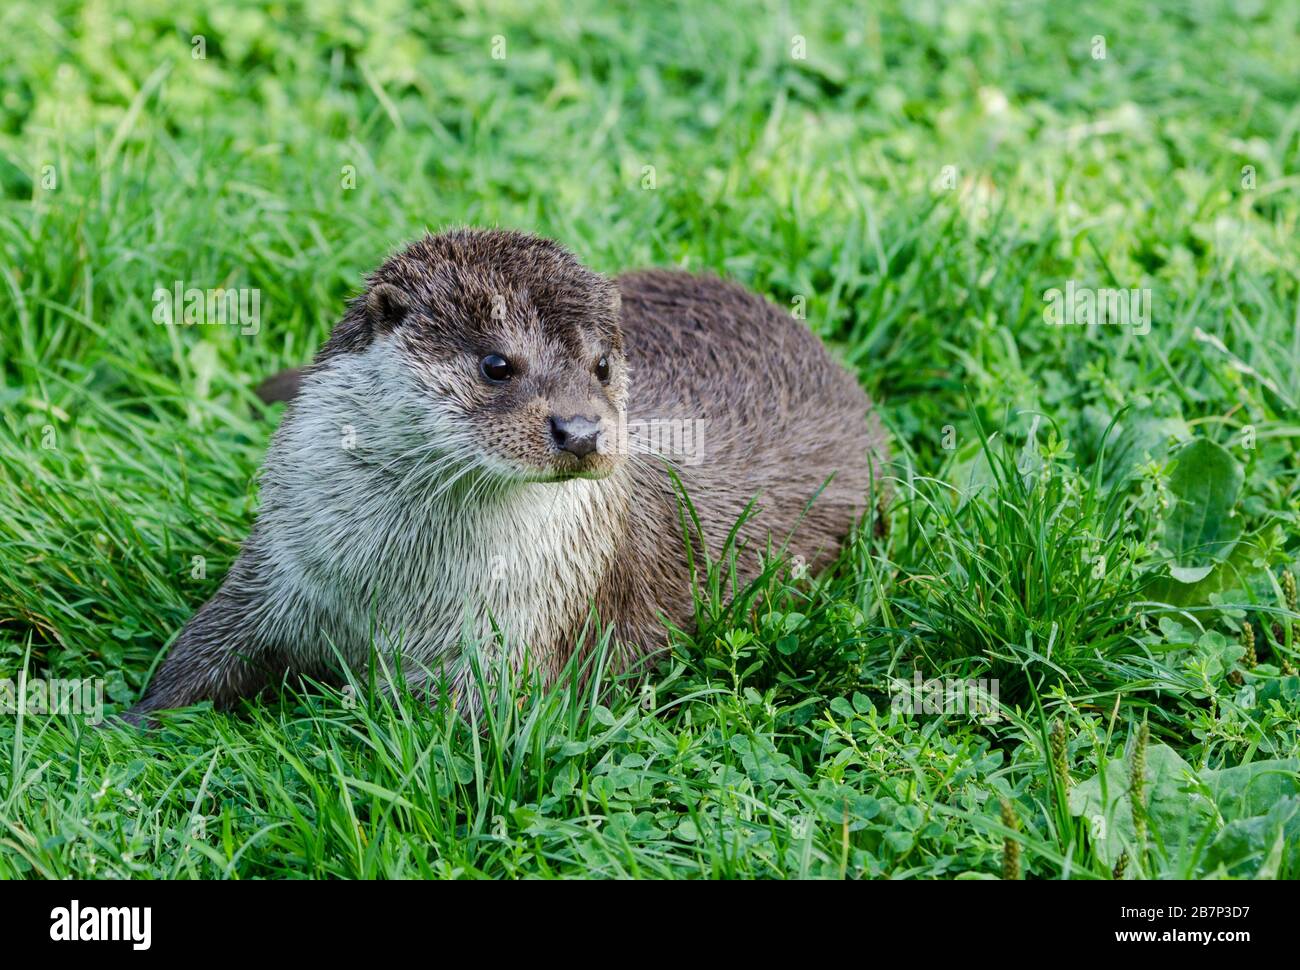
(1100, 523)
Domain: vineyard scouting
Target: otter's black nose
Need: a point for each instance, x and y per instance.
(575, 435)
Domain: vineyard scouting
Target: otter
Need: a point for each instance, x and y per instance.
(475, 458)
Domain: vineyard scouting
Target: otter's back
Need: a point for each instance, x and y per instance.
(781, 419)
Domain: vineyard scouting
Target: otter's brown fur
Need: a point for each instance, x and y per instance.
(782, 420)
(770, 415)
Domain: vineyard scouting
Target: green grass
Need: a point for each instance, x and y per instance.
(1036, 554)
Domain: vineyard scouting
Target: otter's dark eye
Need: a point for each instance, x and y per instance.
(495, 368)
(602, 370)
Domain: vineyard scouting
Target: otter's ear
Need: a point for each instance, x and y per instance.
(385, 306)
(376, 311)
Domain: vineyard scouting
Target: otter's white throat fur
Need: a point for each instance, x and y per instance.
(444, 552)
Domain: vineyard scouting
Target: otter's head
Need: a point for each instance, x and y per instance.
(512, 344)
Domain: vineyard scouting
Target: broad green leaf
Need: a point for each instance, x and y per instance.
(1138, 437)
(1190, 574)
(1248, 559)
(1252, 789)
(1176, 814)
(1200, 530)
(1258, 846)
